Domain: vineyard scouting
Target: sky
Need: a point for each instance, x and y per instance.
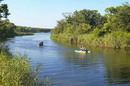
(46, 13)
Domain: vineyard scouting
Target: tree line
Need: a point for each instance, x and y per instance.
(9, 29)
(89, 27)
(31, 29)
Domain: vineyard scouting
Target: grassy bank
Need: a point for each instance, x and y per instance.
(117, 39)
(15, 70)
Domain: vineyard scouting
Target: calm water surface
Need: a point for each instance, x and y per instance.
(102, 67)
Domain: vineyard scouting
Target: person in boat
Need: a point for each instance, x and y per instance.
(82, 48)
(41, 44)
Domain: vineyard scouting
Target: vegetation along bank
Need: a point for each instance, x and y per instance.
(15, 70)
(90, 28)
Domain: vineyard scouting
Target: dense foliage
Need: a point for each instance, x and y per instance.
(88, 27)
(83, 21)
(6, 28)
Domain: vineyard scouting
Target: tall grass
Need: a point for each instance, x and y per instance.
(68, 38)
(117, 39)
(16, 71)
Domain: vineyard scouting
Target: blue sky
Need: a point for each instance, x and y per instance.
(46, 13)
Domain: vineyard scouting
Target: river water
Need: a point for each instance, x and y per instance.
(102, 67)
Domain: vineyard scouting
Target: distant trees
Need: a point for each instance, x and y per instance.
(31, 29)
(8, 29)
(83, 21)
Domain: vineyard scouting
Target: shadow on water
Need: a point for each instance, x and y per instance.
(117, 66)
(3, 40)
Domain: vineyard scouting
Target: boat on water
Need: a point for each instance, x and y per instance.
(41, 44)
(83, 51)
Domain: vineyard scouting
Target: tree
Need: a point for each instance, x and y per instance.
(4, 12)
(6, 28)
(118, 18)
(83, 21)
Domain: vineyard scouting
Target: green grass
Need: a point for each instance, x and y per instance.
(117, 39)
(16, 71)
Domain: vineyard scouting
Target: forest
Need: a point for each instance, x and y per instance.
(90, 28)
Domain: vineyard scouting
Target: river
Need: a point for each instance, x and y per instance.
(102, 67)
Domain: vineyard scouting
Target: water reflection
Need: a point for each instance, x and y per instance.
(117, 66)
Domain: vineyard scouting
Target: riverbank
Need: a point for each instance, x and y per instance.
(24, 33)
(9, 29)
(118, 40)
(90, 28)
(109, 64)
(16, 70)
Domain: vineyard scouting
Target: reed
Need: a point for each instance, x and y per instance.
(16, 70)
(117, 39)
